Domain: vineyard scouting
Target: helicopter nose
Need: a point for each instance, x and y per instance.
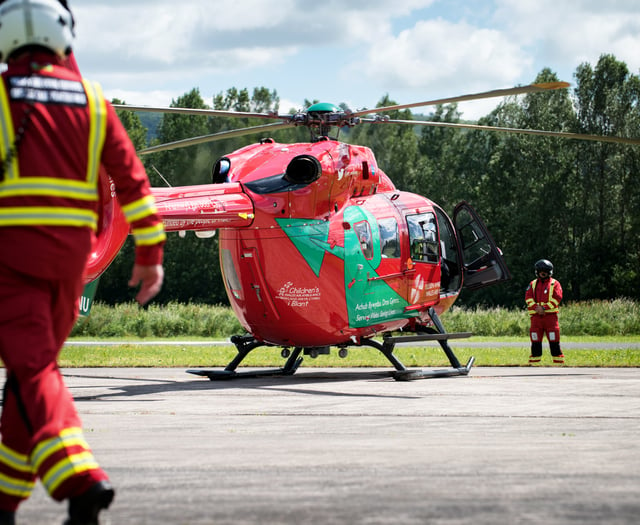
(303, 169)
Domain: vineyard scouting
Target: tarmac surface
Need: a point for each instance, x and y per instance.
(353, 446)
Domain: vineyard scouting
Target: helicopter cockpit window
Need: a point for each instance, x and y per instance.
(423, 237)
(363, 231)
(389, 239)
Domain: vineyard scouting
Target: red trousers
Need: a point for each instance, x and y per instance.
(541, 325)
(545, 324)
(40, 428)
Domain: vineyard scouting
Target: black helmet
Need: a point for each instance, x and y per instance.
(543, 265)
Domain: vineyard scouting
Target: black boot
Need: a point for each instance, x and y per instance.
(84, 509)
(7, 517)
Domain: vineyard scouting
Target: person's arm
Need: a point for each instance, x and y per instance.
(138, 204)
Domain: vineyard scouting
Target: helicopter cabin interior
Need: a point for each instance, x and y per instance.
(431, 238)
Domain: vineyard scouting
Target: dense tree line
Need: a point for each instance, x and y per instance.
(576, 203)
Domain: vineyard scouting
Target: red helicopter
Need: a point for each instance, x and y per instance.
(318, 248)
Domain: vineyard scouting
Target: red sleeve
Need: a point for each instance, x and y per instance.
(133, 191)
(557, 292)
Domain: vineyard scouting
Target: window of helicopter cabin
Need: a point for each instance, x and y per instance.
(389, 238)
(423, 237)
(230, 274)
(363, 232)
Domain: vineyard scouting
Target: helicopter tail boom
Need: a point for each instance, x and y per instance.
(204, 207)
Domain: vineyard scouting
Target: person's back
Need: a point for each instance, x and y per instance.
(52, 128)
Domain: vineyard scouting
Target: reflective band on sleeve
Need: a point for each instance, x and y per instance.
(149, 236)
(140, 209)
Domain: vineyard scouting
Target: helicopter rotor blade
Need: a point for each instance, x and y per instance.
(519, 90)
(562, 134)
(213, 137)
(200, 112)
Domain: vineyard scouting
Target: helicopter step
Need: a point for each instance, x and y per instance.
(436, 333)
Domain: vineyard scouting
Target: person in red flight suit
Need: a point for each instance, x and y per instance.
(543, 297)
(56, 132)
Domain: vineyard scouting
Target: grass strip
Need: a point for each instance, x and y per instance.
(182, 354)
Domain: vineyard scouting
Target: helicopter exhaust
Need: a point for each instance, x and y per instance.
(303, 169)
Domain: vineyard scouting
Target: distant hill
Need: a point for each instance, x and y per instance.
(151, 122)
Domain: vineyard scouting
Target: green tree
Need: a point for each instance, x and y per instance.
(607, 199)
(523, 194)
(135, 129)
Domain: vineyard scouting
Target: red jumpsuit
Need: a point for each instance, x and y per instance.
(56, 130)
(545, 293)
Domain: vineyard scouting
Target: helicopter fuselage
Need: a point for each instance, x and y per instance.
(327, 259)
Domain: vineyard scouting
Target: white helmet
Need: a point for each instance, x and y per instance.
(46, 23)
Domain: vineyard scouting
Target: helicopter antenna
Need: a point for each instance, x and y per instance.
(161, 176)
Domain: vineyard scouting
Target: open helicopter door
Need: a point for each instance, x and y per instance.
(483, 264)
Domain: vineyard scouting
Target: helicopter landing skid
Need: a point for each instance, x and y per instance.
(244, 345)
(409, 375)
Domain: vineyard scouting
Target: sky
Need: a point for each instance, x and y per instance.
(150, 52)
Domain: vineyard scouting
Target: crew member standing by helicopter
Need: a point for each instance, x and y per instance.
(56, 130)
(543, 297)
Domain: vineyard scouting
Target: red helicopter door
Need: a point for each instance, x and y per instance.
(424, 290)
(483, 264)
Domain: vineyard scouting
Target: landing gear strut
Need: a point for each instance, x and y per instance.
(244, 344)
(402, 373)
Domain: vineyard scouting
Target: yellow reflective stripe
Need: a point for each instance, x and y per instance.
(147, 236)
(553, 303)
(48, 186)
(531, 301)
(15, 460)
(7, 134)
(48, 216)
(140, 209)
(16, 487)
(67, 468)
(67, 437)
(98, 128)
